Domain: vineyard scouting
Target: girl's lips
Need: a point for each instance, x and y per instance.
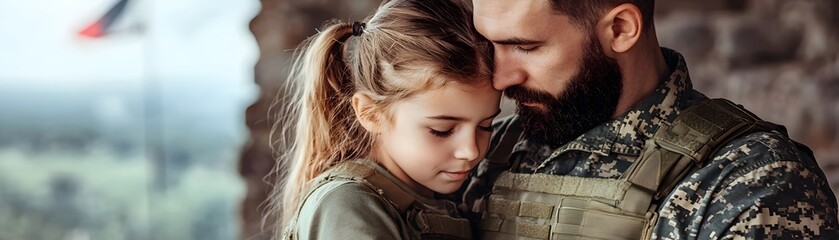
(457, 176)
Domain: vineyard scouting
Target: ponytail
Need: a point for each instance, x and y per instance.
(326, 129)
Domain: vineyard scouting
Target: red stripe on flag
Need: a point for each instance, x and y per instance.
(95, 30)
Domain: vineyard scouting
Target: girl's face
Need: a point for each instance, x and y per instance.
(436, 138)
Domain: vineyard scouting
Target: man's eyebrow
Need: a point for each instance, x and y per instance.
(516, 41)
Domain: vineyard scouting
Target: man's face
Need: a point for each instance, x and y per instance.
(557, 72)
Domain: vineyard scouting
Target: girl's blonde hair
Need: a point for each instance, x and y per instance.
(407, 47)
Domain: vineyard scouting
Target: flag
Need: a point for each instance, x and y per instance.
(103, 25)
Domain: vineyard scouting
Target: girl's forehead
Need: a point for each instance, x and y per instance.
(454, 90)
(455, 99)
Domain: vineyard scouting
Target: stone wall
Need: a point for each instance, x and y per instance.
(778, 58)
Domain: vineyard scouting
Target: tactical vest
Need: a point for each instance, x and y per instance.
(430, 225)
(542, 206)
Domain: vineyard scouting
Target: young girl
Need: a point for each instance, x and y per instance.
(388, 113)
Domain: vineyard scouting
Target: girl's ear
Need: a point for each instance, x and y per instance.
(365, 112)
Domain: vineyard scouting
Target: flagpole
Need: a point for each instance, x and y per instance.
(153, 114)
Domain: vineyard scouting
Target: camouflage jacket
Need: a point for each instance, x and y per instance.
(761, 185)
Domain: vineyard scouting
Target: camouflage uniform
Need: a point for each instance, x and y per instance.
(761, 185)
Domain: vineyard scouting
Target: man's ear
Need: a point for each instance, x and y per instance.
(364, 109)
(620, 29)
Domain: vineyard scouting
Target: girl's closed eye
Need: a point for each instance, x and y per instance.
(441, 134)
(526, 49)
(447, 133)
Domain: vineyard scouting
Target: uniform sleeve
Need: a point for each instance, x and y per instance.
(349, 211)
(781, 200)
(764, 186)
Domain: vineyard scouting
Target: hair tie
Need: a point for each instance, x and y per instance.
(358, 28)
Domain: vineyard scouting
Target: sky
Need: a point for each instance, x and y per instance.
(193, 38)
(194, 56)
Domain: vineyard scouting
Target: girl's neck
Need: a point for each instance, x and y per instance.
(382, 158)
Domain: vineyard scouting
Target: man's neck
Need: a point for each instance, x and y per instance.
(642, 71)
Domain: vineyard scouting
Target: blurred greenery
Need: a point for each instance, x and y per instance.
(97, 194)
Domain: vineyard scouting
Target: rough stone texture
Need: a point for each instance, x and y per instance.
(778, 58)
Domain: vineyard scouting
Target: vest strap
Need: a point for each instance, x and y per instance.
(696, 133)
(574, 217)
(442, 225)
(608, 189)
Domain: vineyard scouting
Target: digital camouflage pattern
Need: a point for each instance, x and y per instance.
(762, 185)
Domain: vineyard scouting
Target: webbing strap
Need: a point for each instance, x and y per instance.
(514, 208)
(532, 230)
(609, 189)
(700, 129)
(442, 225)
(575, 217)
(392, 192)
(599, 225)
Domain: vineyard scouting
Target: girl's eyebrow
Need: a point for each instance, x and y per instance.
(447, 117)
(460, 119)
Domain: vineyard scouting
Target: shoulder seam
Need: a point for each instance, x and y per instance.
(328, 192)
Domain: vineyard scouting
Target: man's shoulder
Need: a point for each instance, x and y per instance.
(752, 184)
(761, 149)
(751, 149)
(758, 156)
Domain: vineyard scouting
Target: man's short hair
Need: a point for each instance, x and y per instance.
(585, 13)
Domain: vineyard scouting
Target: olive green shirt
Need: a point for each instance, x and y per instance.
(344, 208)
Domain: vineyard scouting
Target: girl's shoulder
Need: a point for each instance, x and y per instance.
(347, 209)
(345, 185)
(345, 193)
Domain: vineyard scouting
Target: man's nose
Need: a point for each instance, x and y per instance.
(507, 73)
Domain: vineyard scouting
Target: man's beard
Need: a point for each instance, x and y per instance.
(589, 99)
